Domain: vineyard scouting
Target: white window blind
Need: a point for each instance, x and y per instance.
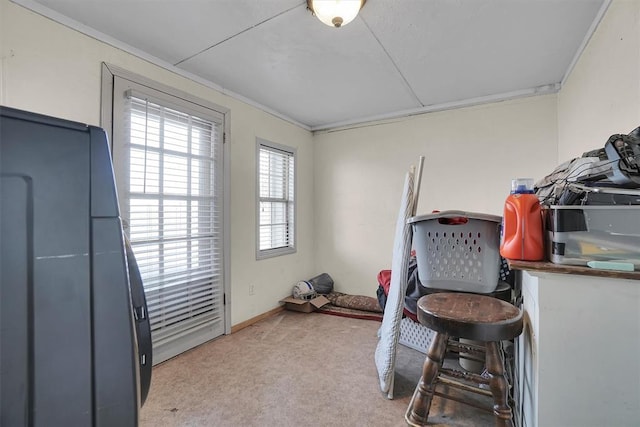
(276, 205)
(174, 211)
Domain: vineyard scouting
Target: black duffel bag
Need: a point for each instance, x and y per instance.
(322, 283)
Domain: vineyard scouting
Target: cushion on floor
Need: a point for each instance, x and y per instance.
(355, 302)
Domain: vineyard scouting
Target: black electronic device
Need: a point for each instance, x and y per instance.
(75, 343)
(618, 164)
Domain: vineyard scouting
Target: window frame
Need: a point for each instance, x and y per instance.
(292, 248)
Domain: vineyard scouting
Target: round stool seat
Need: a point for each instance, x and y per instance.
(471, 316)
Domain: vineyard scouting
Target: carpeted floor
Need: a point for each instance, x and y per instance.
(292, 369)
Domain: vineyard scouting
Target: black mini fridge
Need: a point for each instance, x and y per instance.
(75, 343)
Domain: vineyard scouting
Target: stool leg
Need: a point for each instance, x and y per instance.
(421, 402)
(499, 386)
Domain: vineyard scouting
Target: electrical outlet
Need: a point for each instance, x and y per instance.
(252, 289)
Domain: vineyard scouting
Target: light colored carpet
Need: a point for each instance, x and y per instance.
(292, 369)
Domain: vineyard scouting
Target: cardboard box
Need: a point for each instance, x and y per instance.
(304, 306)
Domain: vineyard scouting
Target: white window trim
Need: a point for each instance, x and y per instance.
(270, 253)
(109, 72)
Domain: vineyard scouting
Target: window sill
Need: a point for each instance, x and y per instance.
(271, 253)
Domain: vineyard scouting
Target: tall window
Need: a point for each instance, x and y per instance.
(276, 199)
(169, 172)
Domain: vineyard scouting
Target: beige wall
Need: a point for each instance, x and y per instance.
(602, 94)
(471, 156)
(51, 69)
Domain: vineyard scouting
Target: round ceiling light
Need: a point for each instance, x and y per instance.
(335, 13)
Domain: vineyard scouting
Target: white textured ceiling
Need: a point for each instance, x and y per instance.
(397, 56)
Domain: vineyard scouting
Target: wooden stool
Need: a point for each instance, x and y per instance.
(474, 317)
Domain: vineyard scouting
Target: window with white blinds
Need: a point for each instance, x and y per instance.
(276, 201)
(173, 210)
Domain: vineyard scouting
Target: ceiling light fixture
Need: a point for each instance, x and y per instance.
(335, 13)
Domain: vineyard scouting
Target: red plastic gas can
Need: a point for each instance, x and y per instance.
(522, 232)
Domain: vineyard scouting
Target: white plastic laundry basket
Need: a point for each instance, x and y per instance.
(414, 335)
(457, 250)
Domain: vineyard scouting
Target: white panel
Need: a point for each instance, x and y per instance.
(455, 50)
(314, 73)
(396, 58)
(170, 30)
(581, 322)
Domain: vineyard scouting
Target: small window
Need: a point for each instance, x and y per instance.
(276, 200)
